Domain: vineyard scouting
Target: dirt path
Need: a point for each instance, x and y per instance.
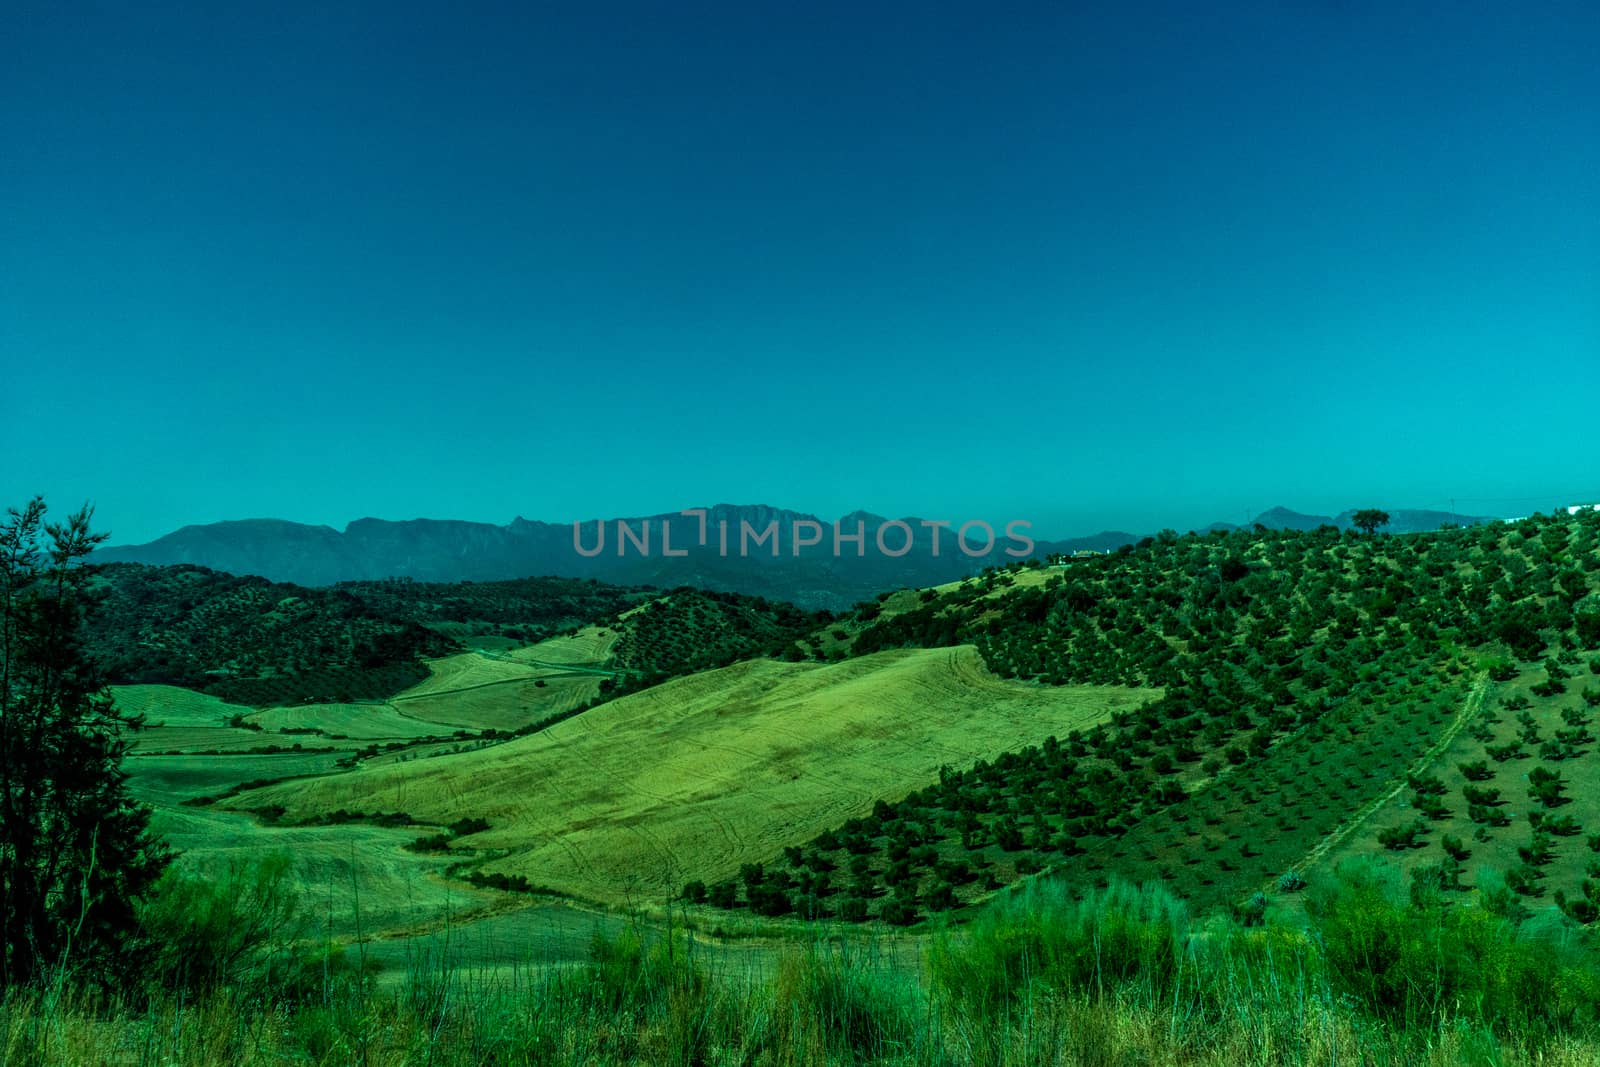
(1469, 709)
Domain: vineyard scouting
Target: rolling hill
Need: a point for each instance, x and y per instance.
(254, 642)
(1310, 679)
(706, 773)
(1267, 704)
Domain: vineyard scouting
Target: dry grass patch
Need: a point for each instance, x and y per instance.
(200, 740)
(170, 780)
(696, 776)
(508, 705)
(468, 670)
(350, 878)
(590, 646)
(366, 722)
(168, 705)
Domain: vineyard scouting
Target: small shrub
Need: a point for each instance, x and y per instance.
(1397, 838)
(431, 843)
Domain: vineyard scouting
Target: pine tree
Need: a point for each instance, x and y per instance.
(76, 851)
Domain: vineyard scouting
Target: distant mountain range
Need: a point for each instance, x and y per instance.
(813, 575)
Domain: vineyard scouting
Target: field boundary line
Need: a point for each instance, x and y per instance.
(407, 698)
(572, 668)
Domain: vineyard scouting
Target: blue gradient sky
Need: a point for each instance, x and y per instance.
(1092, 266)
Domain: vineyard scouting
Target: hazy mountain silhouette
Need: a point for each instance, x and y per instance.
(444, 550)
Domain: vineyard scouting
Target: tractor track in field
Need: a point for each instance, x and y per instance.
(1470, 707)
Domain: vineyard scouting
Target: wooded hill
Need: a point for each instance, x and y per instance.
(255, 642)
(1306, 675)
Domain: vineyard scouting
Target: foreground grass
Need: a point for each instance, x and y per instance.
(816, 1010)
(689, 1029)
(1125, 977)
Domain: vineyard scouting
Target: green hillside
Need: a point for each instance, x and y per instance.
(691, 630)
(251, 641)
(502, 613)
(1307, 677)
(259, 643)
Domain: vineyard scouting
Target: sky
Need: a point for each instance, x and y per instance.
(1086, 265)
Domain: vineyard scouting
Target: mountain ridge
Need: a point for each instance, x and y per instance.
(809, 572)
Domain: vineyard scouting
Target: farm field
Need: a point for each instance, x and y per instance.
(469, 670)
(590, 646)
(523, 696)
(351, 880)
(1475, 818)
(165, 781)
(189, 750)
(469, 691)
(508, 948)
(356, 722)
(705, 773)
(1296, 809)
(171, 705)
(200, 740)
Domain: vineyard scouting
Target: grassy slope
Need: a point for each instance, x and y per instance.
(705, 773)
(359, 722)
(350, 877)
(469, 691)
(502, 691)
(170, 705)
(188, 749)
(167, 781)
(401, 892)
(589, 646)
